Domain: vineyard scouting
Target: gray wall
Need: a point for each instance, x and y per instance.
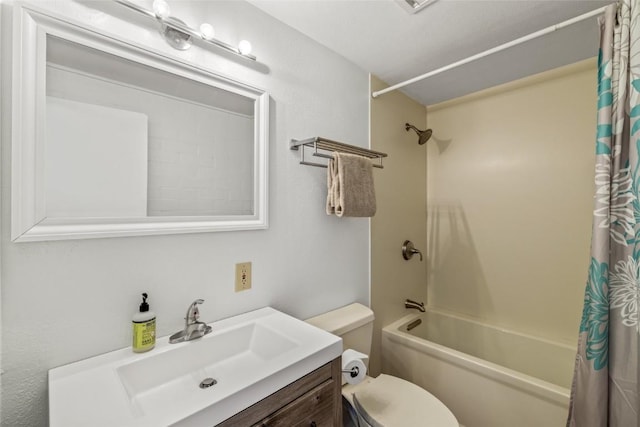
(65, 301)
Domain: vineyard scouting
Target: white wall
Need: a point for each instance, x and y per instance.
(68, 300)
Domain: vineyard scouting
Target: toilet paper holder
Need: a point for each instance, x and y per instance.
(353, 372)
(354, 368)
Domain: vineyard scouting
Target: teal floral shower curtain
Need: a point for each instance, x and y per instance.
(605, 383)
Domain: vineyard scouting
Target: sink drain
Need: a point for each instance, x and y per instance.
(208, 382)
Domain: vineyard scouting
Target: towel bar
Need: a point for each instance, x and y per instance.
(323, 147)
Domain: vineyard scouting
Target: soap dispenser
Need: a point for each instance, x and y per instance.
(144, 328)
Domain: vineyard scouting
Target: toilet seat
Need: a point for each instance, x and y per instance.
(387, 401)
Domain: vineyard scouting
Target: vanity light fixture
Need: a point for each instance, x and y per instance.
(179, 35)
(161, 9)
(208, 32)
(244, 47)
(414, 6)
(177, 39)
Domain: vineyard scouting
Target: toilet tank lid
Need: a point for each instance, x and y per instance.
(344, 319)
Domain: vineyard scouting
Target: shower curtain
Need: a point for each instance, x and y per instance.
(605, 382)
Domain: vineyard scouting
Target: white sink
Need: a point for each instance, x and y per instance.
(250, 356)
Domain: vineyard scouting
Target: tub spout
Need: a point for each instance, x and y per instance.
(414, 304)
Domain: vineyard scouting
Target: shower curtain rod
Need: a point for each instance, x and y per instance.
(502, 47)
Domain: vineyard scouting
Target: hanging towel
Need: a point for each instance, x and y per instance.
(350, 190)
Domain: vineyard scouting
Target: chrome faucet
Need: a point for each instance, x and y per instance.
(193, 328)
(409, 303)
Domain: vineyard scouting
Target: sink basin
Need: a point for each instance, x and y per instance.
(228, 357)
(196, 383)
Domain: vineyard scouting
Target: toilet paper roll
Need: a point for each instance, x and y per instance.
(353, 363)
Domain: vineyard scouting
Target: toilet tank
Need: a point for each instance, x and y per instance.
(353, 323)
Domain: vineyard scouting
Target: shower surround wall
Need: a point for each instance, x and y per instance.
(64, 301)
(401, 199)
(510, 197)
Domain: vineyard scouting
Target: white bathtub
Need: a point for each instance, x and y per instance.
(487, 376)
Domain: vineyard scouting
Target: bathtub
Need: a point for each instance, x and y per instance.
(487, 376)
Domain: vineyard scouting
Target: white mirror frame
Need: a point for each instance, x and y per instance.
(28, 220)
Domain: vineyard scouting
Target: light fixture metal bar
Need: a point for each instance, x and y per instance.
(136, 8)
(173, 23)
(491, 51)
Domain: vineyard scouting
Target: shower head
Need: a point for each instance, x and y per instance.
(423, 135)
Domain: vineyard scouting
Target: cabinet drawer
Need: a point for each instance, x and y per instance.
(312, 409)
(287, 395)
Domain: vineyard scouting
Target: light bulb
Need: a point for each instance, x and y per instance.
(207, 31)
(244, 47)
(161, 9)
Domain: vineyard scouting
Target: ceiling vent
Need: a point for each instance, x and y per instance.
(414, 6)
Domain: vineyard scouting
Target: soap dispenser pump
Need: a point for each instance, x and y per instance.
(144, 328)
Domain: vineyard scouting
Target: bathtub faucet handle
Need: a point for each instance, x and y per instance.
(409, 303)
(408, 250)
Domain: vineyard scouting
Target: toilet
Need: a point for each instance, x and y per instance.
(384, 401)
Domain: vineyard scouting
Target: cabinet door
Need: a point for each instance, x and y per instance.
(313, 409)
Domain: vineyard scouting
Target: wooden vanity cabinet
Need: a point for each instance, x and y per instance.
(314, 400)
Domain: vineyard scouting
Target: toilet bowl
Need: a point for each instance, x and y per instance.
(388, 401)
(384, 401)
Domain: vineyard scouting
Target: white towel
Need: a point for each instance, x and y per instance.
(350, 190)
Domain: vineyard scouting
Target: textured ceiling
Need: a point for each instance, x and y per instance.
(382, 38)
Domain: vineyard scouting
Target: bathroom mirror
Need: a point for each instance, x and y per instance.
(113, 139)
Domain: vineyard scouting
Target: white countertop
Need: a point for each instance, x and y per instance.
(251, 356)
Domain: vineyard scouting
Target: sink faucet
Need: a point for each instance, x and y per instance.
(193, 328)
(414, 304)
